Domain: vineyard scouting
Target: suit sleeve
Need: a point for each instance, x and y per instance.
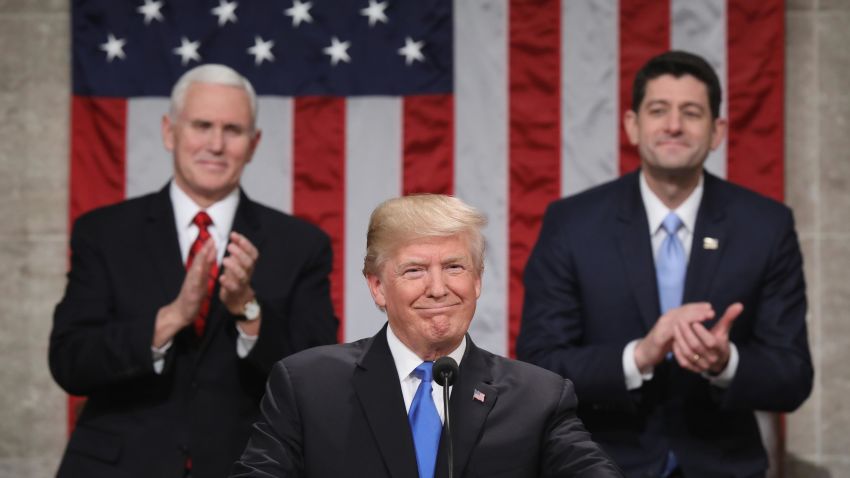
(275, 448)
(569, 450)
(775, 370)
(90, 347)
(553, 324)
(305, 318)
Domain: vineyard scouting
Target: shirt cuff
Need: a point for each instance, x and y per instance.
(724, 378)
(634, 379)
(244, 343)
(159, 356)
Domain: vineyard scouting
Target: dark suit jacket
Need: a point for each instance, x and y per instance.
(590, 289)
(125, 265)
(338, 411)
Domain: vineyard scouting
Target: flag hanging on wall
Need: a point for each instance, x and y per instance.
(508, 104)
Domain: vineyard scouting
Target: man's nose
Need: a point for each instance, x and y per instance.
(215, 141)
(674, 122)
(436, 285)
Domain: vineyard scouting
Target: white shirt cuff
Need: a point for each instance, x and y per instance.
(244, 343)
(159, 356)
(634, 379)
(724, 378)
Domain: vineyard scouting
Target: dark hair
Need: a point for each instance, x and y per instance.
(678, 64)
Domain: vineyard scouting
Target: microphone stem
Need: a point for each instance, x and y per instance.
(448, 425)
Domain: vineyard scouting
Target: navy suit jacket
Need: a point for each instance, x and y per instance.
(590, 289)
(125, 265)
(338, 411)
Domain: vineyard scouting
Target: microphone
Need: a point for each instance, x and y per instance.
(445, 371)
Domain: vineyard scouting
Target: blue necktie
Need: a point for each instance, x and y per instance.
(670, 265)
(425, 423)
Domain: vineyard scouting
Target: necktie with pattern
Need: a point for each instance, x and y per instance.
(203, 221)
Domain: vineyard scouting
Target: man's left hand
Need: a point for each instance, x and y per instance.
(235, 290)
(701, 350)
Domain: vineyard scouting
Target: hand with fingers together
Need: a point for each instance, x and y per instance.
(181, 312)
(703, 350)
(652, 349)
(236, 291)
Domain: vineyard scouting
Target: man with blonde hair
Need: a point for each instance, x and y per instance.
(179, 302)
(369, 408)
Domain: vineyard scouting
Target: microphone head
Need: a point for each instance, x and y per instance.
(445, 371)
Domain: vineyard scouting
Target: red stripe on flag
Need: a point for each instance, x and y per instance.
(319, 179)
(428, 144)
(756, 59)
(98, 165)
(535, 134)
(644, 33)
(98, 146)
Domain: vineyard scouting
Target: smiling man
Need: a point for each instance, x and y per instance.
(674, 300)
(370, 408)
(179, 302)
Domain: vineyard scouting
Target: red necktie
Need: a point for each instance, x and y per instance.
(203, 221)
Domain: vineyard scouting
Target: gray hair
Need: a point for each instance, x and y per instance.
(402, 219)
(215, 74)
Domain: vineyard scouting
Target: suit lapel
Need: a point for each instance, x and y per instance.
(709, 242)
(160, 236)
(377, 388)
(468, 414)
(636, 249)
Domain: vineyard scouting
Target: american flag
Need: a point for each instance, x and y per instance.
(478, 395)
(508, 104)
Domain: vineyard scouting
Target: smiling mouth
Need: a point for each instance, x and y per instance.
(436, 310)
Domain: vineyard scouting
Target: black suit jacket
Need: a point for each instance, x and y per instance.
(125, 265)
(338, 411)
(591, 288)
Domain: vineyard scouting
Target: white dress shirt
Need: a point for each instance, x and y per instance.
(222, 214)
(406, 362)
(656, 211)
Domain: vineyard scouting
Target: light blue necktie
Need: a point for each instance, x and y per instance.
(425, 423)
(670, 265)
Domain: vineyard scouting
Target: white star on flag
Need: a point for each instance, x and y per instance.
(114, 47)
(188, 51)
(151, 11)
(262, 50)
(225, 11)
(300, 12)
(338, 51)
(412, 51)
(375, 12)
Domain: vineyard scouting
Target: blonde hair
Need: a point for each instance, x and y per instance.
(406, 218)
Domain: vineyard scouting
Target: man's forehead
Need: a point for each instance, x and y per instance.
(672, 89)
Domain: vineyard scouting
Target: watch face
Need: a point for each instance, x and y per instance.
(252, 310)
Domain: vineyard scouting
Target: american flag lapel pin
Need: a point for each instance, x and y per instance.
(710, 243)
(478, 395)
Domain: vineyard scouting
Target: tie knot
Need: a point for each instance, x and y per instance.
(202, 220)
(424, 370)
(671, 223)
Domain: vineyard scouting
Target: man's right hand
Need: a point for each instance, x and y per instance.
(652, 349)
(182, 311)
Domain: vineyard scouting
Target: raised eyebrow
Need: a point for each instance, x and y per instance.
(455, 260)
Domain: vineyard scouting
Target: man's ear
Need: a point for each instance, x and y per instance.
(630, 119)
(719, 132)
(167, 133)
(376, 287)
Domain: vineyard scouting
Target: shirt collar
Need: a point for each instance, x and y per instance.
(656, 211)
(406, 360)
(221, 212)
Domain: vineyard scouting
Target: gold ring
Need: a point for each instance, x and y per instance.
(695, 358)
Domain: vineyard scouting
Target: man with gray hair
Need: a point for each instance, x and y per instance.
(370, 408)
(179, 302)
